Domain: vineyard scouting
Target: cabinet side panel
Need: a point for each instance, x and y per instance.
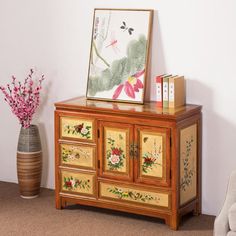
(188, 163)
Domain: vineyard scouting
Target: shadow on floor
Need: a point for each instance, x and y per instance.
(185, 221)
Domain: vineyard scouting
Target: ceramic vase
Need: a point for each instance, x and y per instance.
(29, 162)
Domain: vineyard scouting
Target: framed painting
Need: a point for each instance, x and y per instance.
(119, 55)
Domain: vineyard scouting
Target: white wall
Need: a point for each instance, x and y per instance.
(196, 38)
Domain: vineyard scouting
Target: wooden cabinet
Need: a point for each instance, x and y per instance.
(133, 158)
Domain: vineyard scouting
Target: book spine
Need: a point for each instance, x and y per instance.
(176, 92)
(171, 93)
(159, 87)
(166, 92)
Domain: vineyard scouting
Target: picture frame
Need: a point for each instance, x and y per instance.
(119, 54)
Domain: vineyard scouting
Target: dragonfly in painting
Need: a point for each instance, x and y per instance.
(113, 43)
(125, 27)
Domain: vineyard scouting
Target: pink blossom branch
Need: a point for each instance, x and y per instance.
(23, 98)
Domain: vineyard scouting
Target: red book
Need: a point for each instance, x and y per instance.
(159, 87)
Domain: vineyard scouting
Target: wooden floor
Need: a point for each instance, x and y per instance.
(39, 217)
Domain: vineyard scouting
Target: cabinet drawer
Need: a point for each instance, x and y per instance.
(78, 183)
(77, 128)
(77, 155)
(134, 195)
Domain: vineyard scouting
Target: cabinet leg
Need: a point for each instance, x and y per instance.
(60, 203)
(197, 209)
(63, 203)
(173, 222)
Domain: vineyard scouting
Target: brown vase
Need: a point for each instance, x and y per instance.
(29, 162)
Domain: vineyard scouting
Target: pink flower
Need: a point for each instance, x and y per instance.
(114, 159)
(118, 91)
(129, 89)
(23, 98)
(131, 85)
(138, 85)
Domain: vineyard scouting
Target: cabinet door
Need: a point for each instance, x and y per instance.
(114, 151)
(152, 155)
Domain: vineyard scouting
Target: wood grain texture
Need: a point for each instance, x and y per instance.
(134, 118)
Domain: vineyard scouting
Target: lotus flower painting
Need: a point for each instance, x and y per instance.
(119, 55)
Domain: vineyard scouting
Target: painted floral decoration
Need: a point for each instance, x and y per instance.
(71, 183)
(148, 162)
(132, 85)
(115, 156)
(73, 153)
(186, 180)
(129, 194)
(150, 159)
(81, 129)
(69, 154)
(23, 98)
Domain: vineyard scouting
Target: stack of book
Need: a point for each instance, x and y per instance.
(170, 91)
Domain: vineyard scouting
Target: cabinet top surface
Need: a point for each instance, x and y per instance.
(147, 109)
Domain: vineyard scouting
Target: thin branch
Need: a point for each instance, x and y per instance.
(97, 53)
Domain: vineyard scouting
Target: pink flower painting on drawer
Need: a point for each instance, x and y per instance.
(115, 155)
(72, 184)
(81, 129)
